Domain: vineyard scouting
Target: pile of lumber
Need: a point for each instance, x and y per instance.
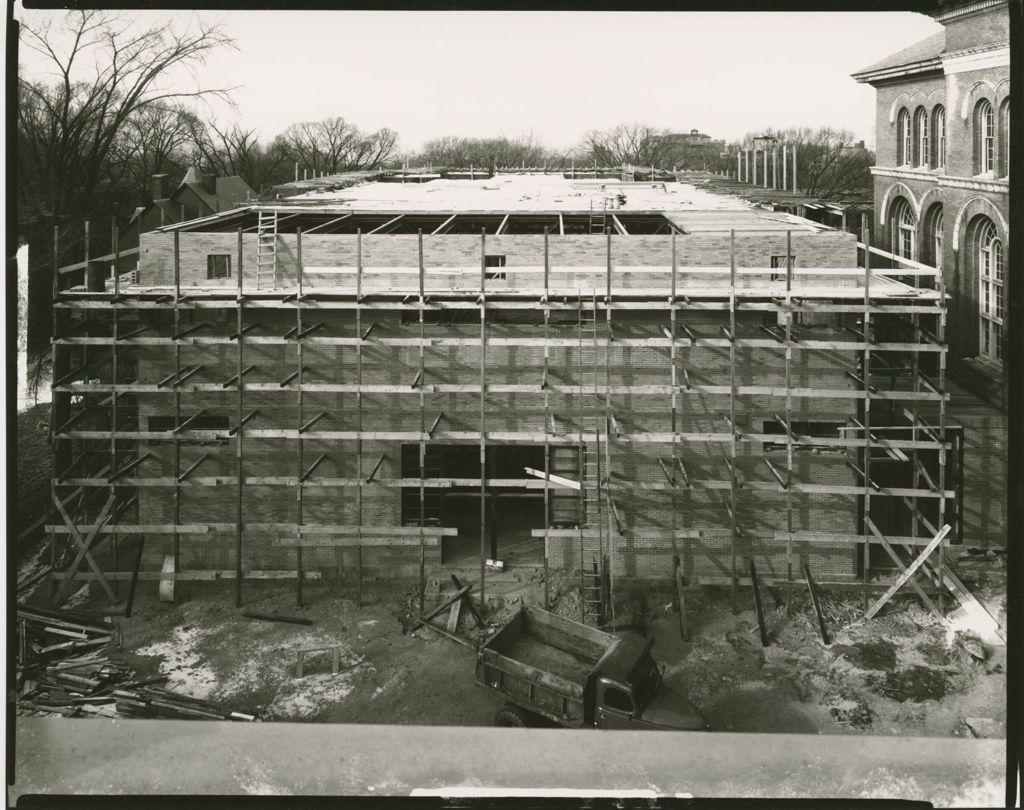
(63, 667)
(155, 701)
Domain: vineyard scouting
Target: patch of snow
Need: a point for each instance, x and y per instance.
(32, 565)
(182, 664)
(974, 622)
(79, 597)
(305, 697)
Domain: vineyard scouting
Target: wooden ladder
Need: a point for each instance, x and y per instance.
(266, 249)
(593, 593)
(599, 217)
(590, 422)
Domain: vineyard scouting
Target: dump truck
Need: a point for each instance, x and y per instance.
(553, 670)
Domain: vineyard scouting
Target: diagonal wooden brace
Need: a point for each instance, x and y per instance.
(925, 599)
(908, 572)
(83, 550)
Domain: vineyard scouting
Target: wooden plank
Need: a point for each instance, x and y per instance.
(453, 616)
(908, 573)
(469, 602)
(568, 483)
(813, 590)
(134, 580)
(273, 617)
(83, 550)
(758, 606)
(677, 572)
(457, 596)
(198, 575)
(885, 543)
(166, 587)
(445, 633)
(353, 542)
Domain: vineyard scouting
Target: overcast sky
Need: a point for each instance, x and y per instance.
(427, 74)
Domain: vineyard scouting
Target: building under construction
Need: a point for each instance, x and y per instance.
(379, 380)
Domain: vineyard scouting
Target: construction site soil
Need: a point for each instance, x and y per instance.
(901, 673)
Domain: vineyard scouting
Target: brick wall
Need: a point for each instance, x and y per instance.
(443, 252)
(634, 463)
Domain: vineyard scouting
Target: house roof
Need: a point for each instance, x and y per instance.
(231, 190)
(919, 55)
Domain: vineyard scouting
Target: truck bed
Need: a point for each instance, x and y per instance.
(541, 662)
(535, 653)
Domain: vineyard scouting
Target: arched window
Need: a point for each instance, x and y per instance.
(990, 277)
(921, 137)
(939, 137)
(931, 248)
(1004, 139)
(984, 137)
(904, 230)
(904, 142)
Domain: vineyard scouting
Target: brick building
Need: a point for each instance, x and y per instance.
(941, 179)
(391, 377)
(941, 193)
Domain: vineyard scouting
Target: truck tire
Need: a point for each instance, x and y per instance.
(512, 716)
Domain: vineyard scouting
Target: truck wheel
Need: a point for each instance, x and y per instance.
(511, 716)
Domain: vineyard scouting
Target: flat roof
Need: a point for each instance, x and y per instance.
(526, 192)
(689, 208)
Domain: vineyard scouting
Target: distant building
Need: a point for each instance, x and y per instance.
(198, 194)
(693, 150)
(941, 188)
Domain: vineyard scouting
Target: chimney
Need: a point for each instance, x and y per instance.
(159, 187)
(209, 182)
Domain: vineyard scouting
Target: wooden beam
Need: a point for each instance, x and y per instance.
(380, 228)
(312, 467)
(884, 542)
(312, 421)
(327, 224)
(241, 422)
(182, 425)
(193, 467)
(908, 573)
(190, 329)
(84, 553)
(443, 227)
(813, 590)
(376, 467)
(237, 377)
(568, 483)
(758, 606)
(130, 465)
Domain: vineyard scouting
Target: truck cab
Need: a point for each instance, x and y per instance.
(626, 690)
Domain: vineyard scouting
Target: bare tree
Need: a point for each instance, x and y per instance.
(234, 150)
(155, 139)
(453, 151)
(830, 164)
(106, 72)
(336, 145)
(71, 126)
(637, 144)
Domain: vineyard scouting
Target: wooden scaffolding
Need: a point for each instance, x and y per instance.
(101, 453)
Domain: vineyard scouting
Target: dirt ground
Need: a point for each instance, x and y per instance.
(901, 673)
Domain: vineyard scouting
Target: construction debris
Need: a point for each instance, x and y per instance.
(454, 603)
(268, 617)
(63, 668)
